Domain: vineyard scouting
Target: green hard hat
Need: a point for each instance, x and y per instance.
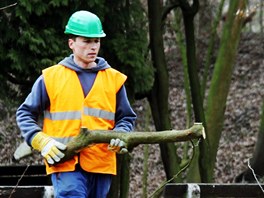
(86, 24)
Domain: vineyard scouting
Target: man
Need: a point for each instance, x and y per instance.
(80, 91)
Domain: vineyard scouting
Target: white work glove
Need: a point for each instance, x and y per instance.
(118, 146)
(50, 149)
(22, 150)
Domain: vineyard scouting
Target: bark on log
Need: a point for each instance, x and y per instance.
(86, 138)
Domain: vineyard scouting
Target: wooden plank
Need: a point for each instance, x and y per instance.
(216, 190)
(19, 170)
(25, 181)
(21, 192)
(34, 175)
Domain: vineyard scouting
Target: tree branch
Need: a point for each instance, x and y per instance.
(167, 10)
(86, 138)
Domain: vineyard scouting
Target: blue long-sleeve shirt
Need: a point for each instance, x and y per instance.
(37, 101)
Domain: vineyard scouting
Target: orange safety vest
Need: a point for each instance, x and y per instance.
(69, 111)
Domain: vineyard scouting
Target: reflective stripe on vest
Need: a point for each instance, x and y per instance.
(76, 115)
(67, 115)
(99, 113)
(69, 111)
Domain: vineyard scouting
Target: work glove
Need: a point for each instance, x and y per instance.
(22, 150)
(118, 146)
(50, 149)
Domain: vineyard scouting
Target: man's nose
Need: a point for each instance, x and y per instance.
(94, 46)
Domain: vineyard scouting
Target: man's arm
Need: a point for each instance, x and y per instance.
(27, 119)
(125, 116)
(29, 111)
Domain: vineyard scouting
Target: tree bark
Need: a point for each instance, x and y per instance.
(158, 98)
(211, 45)
(220, 84)
(87, 138)
(189, 12)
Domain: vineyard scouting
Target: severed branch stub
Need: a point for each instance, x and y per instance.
(86, 138)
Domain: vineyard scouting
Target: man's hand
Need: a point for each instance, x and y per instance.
(118, 146)
(50, 149)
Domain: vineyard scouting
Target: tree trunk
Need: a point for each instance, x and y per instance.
(220, 86)
(189, 12)
(193, 172)
(188, 17)
(211, 45)
(158, 97)
(120, 182)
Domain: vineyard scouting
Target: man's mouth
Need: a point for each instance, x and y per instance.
(92, 54)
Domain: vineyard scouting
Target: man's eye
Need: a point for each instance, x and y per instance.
(92, 41)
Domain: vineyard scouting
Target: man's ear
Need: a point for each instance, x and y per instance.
(70, 43)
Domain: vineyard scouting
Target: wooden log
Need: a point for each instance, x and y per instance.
(86, 138)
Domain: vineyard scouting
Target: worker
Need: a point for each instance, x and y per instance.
(82, 90)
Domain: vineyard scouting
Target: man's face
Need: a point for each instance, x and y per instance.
(85, 50)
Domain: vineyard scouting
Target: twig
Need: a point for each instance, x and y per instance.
(14, 189)
(254, 174)
(8, 6)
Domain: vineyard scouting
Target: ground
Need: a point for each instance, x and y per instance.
(242, 120)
